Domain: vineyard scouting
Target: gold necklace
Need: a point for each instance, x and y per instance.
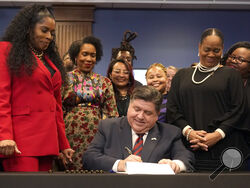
(37, 53)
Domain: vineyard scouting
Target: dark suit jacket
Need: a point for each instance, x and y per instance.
(114, 134)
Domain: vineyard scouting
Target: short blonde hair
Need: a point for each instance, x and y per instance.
(173, 68)
(157, 65)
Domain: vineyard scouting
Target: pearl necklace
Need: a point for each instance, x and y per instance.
(204, 69)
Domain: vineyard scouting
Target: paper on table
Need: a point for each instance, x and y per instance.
(148, 168)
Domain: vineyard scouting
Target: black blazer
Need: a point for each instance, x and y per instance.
(163, 141)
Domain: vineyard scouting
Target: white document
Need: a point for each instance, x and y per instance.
(148, 168)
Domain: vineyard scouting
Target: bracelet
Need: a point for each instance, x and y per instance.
(189, 131)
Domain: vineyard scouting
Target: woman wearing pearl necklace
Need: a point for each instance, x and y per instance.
(207, 101)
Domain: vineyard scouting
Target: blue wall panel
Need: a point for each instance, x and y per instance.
(167, 36)
(6, 15)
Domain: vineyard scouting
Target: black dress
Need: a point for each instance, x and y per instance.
(122, 105)
(218, 102)
(246, 120)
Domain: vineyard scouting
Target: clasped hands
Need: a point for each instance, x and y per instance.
(134, 158)
(200, 139)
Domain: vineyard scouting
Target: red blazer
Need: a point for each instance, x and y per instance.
(31, 109)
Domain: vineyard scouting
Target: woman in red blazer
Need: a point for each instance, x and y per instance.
(32, 129)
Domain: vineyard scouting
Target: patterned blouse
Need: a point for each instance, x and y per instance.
(95, 101)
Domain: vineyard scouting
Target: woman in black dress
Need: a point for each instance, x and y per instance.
(238, 57)
(207, 102)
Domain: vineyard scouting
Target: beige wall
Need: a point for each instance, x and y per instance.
(72, 23)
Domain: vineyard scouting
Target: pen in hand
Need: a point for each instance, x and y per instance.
(128, 150)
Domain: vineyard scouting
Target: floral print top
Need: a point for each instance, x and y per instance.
(95, 101)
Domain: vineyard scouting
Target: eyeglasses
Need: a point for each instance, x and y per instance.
(118, 71)
(238, 59)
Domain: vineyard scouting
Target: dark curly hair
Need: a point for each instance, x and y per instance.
(18, 34)
(131, 83)
(241, 44)
(125, 45)
(75, 47)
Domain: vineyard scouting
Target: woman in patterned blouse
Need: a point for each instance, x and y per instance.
(88, 97)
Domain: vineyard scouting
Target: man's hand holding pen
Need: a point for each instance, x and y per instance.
(136, 158)
(132, 158)
(122, 164)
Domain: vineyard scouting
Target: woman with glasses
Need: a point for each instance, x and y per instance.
(207, 102)
(238, 57)
(121, 76)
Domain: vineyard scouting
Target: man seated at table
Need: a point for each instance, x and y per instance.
(151, 140)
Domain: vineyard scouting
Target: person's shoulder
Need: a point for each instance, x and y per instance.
(73, 74)
(167, 127)
(185, 69)
(112, 125)
(137, 83)
(183, 72)
(229, 71)
(75, 71)
(103, 78)
(226, 68)
(5, 45)
(169, 131)
(113, 121)
(96, 75)
(5, 48)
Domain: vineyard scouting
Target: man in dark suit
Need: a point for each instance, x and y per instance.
(110, 149)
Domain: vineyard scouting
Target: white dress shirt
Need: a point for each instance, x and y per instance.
(134, 137)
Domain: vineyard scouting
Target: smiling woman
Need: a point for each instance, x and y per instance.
(43, 34)
(121, 76)
(156, 76)
(32, 130)
(88, 98)
(238, 57)
(207, 102)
